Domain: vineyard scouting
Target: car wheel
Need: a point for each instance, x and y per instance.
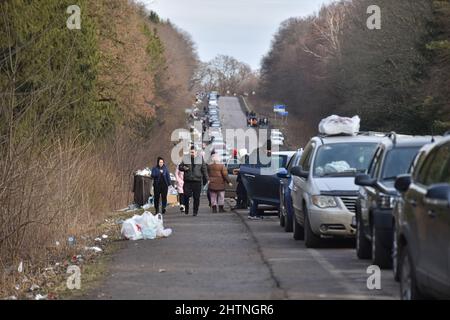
(281, 213)
(408, 284)
(380, 256)
(288, 225)
(395, 257)
(363, 248)
(299, 231)
(311, 239)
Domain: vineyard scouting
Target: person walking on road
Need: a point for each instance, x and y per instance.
(195, 172)
(218, 176)
(179, 176)
(161, 183)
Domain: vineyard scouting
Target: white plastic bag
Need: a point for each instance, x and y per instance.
(334, 125)
(130, 230)
(147, 226)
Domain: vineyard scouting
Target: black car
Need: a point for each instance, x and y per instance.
(262, 182)
(422, 225)
(377, 196)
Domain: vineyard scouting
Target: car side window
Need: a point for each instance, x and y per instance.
(291, 164)
(438, 165)
(374, 164)
(305, 161)
(424, 167)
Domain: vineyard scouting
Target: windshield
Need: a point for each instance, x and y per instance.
(343, 159)
(398, 162)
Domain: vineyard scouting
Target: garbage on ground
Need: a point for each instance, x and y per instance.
(20, 268)
(162, 270)
(95, 249)
(34, 287)
(97, 239)
(335, 125)
(40, 297)
(71, 241)
(105, 236)
(146, 226)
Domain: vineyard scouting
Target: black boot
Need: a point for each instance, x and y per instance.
(222, 209)
(214, 209)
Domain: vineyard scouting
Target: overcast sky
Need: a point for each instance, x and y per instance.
(239, 28)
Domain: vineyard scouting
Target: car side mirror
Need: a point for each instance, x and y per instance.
(299, 172)
(438, 195)
(283, 173)
(365, 180)
(403, 182)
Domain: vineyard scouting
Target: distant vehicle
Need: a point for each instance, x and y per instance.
(286, 184)
(262, 183)
(277, 141)
(215, 125)
(324, 192)
(377, 196)
(422, 225)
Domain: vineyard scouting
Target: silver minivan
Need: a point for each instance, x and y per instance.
(324, 193)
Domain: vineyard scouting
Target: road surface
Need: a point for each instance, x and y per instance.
(226, 256)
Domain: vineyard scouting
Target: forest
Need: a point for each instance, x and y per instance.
(395, 78)
(80, 110)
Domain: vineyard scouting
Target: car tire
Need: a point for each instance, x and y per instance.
(380, 256)
(298, 230)
(363, 247)
(408, 284)
(282, 220)
(288, 225)
(395, 256)
(311, 239)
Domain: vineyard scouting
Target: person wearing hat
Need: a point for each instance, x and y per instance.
(161, 182)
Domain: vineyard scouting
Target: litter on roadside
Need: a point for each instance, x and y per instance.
(95, 249)
(146, 226)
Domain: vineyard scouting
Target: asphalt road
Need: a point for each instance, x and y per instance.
(227, 256)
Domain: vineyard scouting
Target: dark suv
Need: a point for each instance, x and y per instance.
(422, 220)
(377, 195)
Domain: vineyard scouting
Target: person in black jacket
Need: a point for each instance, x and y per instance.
(161, 183)
(195, 172)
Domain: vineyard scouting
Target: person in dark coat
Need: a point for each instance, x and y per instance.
(161, 183)
(195, 173)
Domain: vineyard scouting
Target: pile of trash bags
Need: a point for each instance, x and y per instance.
(336, 125)
(144, 227)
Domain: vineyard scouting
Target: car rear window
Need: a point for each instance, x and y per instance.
(398, 161)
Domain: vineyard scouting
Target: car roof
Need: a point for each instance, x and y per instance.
(404, 141)
(360, 138)
(439, 142)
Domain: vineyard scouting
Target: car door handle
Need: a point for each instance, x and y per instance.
(249, 175)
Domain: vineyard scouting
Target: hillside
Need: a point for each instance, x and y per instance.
(80, 111)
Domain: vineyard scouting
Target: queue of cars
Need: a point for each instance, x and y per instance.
(391, 192)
